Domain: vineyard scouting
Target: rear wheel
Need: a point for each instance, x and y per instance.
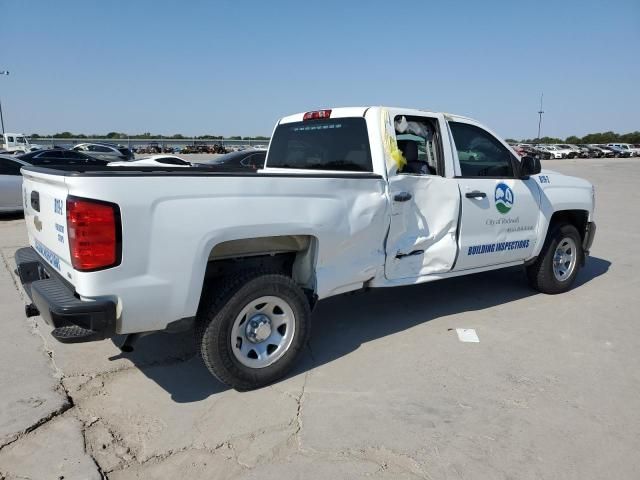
(252, 330)
(556, 268)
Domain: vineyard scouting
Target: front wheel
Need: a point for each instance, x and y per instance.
(556, 268)
(252, 331)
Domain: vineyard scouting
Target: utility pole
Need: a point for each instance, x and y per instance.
(2, 72)
(540, 112)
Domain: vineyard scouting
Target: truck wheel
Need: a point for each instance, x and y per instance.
(251, 331)
(556, 268)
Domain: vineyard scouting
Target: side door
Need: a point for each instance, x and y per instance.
(500, 210)
(424, 204)
(10, 185)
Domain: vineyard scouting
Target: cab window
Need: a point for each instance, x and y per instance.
(480, 154)
(325, 144)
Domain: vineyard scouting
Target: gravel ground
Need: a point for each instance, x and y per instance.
(385, 390)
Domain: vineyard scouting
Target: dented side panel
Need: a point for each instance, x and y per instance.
(169, 236)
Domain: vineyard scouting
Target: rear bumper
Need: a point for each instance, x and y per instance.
(73, 320)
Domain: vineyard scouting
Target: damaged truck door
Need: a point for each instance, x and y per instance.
(424, 204)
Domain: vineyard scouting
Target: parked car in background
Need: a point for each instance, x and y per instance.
(59, 156)
(252, 159)
(154, 161)
(566, 152)
(583, 152)
(204, 148)
(11, 183)
(592, 152)
(105, 151)
(627, 147)
(553, 152)
(538, 153)
(604, 152)
(617, 151)
(574, 151)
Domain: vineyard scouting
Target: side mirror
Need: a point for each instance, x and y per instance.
(529, 166)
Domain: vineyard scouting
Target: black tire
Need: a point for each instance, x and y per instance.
(541, 274)
(219, 308)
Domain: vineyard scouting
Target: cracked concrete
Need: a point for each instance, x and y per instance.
(30, 393)
(384, 391)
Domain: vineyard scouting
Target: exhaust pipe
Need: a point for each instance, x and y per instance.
(129, 342)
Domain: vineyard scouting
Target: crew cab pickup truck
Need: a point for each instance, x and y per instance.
(348, 199)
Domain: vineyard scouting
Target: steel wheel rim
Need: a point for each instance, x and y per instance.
(254, 345)
(564, 259)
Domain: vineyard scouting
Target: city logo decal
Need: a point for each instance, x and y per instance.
(504, 198)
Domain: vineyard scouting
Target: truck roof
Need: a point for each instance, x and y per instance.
(342, 112)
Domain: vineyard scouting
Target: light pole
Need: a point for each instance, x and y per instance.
(540, 112)
(2, 72)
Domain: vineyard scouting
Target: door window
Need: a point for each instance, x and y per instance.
(100, 149)
(50, 154)
(418, 140)
(480, 154)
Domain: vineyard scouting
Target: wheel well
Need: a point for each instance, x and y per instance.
(577, 218)
(292, 255)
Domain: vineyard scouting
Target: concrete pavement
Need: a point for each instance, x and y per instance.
(385, 388)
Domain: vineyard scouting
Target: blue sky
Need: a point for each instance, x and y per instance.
(234, 67)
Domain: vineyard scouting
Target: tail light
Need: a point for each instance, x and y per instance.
(94, 234)
(317, 115)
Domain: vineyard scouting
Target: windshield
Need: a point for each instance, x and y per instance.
(327, 144)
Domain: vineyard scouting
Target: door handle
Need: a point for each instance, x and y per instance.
(402, 197)
(35, 200)
(475, 194)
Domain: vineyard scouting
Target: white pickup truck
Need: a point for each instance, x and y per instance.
(14, 143)
(349, 198)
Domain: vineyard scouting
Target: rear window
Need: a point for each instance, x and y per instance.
(328, 144)
(124, 151)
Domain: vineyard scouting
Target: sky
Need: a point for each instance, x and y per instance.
(234, 67)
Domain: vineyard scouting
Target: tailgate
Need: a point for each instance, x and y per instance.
(45, 197)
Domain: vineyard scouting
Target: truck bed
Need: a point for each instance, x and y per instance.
(170, 227)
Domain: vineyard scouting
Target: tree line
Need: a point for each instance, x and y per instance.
(603, 137)
(146, 135)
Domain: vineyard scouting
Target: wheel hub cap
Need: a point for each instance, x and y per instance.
(258, 328)
(262, 331)
(564, 259)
